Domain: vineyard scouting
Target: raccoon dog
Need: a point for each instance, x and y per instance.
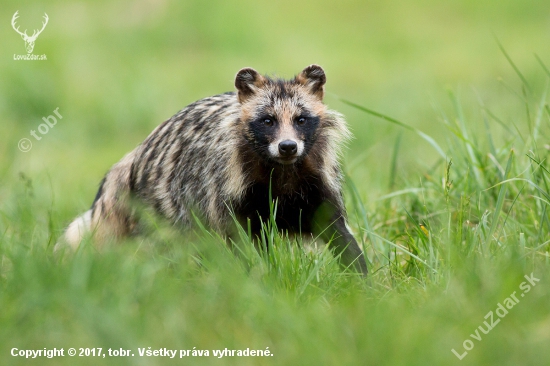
(224, 154)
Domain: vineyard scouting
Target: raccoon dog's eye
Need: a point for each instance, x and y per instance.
(268, 122)
(301, 121)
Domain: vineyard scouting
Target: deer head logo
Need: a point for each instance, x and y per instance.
(29, 40)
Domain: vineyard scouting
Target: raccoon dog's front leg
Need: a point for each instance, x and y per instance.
(330, 224)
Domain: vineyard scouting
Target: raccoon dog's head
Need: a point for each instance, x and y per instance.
(281, 117)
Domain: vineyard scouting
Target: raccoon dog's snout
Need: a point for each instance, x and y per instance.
(288, 148)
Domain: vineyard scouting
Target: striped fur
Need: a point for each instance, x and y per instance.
(219, 153)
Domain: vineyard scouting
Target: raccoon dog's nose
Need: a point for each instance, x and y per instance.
(288, 148)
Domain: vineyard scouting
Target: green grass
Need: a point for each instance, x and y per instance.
(447, 191)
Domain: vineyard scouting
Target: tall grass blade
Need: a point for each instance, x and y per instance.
(404, 250)
(543, 65)
(523, 80)
(427, 138)
(393, 165)
(500, 200)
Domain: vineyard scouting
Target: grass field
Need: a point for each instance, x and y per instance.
(447, 184)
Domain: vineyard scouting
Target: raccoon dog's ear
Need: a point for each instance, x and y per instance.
(313, 78)
(247, 82)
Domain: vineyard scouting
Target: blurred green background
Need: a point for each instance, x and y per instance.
(116, 69)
